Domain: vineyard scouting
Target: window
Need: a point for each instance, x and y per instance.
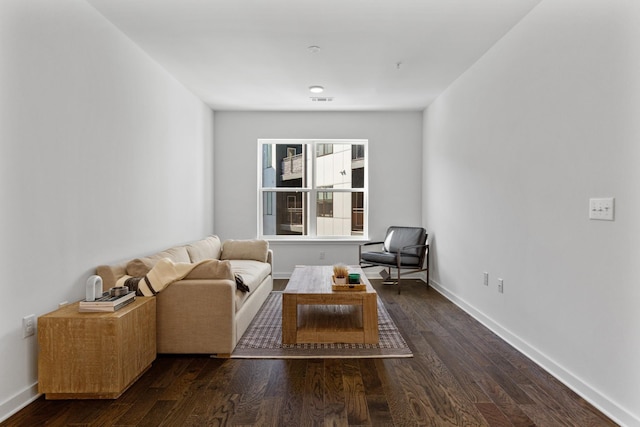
(312, 189)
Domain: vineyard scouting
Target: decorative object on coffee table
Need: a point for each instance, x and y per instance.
(340, 273)
(350, 281)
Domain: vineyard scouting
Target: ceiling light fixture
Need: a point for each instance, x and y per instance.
(314, 49)
(316, 89)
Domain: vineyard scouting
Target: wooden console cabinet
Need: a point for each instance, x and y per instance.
(95, 355)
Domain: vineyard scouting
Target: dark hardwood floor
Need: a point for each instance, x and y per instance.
(461, 375)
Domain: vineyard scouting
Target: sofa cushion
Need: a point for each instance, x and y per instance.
(141, 266)
(253, 273)
(209, 248)
(256, 250)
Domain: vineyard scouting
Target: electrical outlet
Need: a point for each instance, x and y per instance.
(28, 325)
(322, 254)
(486, 278)
(500, 285)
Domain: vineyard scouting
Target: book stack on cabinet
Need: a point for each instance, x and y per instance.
(107, 303)
(95, 355)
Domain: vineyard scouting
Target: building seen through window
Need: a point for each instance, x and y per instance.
(313, 188)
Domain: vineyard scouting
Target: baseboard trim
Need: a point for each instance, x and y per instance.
(18, 401)
(593, 396)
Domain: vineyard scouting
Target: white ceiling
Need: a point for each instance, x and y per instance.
(253, 54)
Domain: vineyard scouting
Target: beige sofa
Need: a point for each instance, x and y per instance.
(205, 315)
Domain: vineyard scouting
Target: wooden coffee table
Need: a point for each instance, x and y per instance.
(313, 313)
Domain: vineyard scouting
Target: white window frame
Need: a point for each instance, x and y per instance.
(311, 190)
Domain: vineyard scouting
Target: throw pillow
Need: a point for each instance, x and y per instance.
(139, 267)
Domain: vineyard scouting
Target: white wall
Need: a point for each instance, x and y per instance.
(395, 163)
(103, 156)
(513, 151)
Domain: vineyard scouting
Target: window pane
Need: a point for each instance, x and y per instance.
(339, 213)
(284, 213)
(339, 165)
(323, 149)
(324, 204)
(357, 166)
(357, 214)
(284, 165)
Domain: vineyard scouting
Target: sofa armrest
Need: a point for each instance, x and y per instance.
(270, 259)
(197, 316)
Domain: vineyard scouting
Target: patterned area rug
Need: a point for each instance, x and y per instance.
(263, 339)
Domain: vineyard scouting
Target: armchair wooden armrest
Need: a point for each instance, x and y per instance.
(360, 246)
(403, 252)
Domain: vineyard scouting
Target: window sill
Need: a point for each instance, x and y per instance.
(316, 240)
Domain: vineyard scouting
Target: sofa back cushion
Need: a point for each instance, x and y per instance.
(256, 250)
(141, 266)
(209, 248)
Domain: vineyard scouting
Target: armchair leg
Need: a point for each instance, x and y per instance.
(428, 271)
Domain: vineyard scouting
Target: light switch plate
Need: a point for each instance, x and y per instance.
(601, 209)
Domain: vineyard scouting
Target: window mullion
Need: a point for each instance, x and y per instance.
(313, 192)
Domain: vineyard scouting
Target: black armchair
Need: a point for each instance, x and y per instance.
(404, 248)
